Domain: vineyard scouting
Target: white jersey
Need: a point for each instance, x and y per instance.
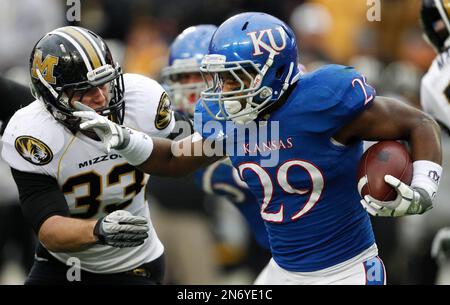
(435, 89)
(94, 183)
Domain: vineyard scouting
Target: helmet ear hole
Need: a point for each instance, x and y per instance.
(280, 72)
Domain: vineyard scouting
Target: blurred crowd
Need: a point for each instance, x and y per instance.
(391, 53)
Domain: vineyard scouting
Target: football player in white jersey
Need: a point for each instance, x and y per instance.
(87, 206)
(435, 100)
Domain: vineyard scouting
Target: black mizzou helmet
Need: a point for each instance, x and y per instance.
(72, 60)
(435, 20)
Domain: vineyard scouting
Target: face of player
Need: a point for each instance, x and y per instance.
(95, 98)
(237, 82)
(191, 78)
(230, 83)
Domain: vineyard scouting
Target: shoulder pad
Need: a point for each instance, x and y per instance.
(148, 107)
(32, 138)
(326, 99)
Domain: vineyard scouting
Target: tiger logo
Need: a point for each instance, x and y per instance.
(33, 150)
(164, 112)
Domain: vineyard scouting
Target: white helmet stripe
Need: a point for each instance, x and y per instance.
(99, 53)
(77, 46)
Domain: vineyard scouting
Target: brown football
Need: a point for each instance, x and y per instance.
(383, 158)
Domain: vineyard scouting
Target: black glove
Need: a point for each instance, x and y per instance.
(121, 229)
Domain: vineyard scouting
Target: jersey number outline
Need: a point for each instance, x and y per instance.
(94, 182)
(363, 83)
(316, 177)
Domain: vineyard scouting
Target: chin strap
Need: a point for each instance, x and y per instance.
(260, 76)
(286, 81)
(64, 98)
(47, 85)
(267, 65)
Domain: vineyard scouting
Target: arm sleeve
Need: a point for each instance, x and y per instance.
(40, 197)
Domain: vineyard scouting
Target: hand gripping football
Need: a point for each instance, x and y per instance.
(383, 158)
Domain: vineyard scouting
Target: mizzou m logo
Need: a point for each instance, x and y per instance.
(45, 67)
(258, 43)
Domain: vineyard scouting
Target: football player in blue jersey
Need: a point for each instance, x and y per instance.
(184, 84)
(301, 159)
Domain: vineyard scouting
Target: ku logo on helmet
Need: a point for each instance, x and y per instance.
(272, 47)
(45, 67)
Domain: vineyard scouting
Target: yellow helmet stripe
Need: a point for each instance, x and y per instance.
(446, 4)
(77, 46)
(86, 44)
(96, 47)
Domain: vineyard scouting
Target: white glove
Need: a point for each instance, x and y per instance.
(409, 201)
(111, 134)
(133, 145)
(121, 229)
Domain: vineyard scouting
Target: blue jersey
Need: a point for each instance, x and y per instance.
(305, 182)
(223, 179)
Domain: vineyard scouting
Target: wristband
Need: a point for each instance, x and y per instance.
(426, 175)
(138, 146)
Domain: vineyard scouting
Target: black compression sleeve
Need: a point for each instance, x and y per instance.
(40, 197)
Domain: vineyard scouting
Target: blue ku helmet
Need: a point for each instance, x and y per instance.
(258, 54)
(186, 54)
